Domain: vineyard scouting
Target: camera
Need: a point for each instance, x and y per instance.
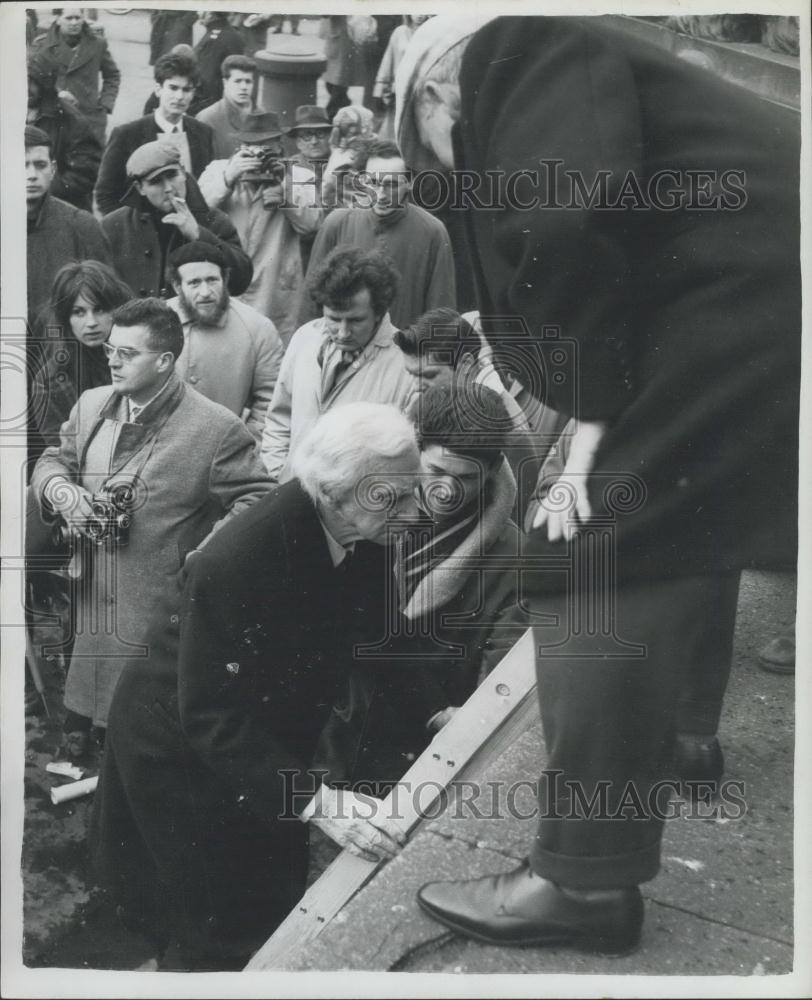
(272, 170)
(110, 519)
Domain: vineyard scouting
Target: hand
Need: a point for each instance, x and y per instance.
(356, 823)
(272, 195)
(183, 219)
(575, 481)
(241, 163)
(73, 502)
(68, 98)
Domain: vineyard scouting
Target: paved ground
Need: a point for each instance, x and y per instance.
(721, 905)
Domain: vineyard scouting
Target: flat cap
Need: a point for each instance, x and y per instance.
(152, 158)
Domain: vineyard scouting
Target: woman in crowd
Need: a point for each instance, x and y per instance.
(83, 297)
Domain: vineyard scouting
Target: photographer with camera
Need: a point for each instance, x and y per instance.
(272, 203)
(144, 471)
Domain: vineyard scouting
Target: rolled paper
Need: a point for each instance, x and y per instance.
(65, 768)
(63, 793)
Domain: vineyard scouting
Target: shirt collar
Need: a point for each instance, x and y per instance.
(166, 126)
(149, 402)
(338, 552)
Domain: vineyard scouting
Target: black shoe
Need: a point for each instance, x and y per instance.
(521, 908)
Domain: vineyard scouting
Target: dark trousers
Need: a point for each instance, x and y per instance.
(617, 674)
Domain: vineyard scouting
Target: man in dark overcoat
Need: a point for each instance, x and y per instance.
(656, 225)
(198, 828)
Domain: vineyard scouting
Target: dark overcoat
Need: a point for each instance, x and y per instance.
(113, 182)
(680, 319)
(75, 150)
(79, 71)
(140, 259)
(199, 766)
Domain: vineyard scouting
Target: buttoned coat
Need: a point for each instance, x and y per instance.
(194, 464)
(679, 308)
(377, 375)
(199, 768)
(113, 183)
(137, 250)
(79, 71)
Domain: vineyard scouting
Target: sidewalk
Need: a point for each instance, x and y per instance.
(722, 904)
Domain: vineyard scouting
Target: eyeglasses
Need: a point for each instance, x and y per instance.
(125, 353)
(309, 136)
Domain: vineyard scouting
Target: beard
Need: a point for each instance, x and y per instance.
(213, 313)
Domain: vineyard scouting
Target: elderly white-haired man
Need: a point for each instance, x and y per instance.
(201, 836)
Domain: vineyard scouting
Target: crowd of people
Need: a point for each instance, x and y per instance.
(302, 444)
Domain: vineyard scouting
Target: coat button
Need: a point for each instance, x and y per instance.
(193, 379)
(147, 253)
(174, 619)
(233, 668)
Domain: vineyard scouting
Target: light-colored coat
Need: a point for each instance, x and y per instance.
(270, 237)
(235, 363)
(195, 464)
(377, 375)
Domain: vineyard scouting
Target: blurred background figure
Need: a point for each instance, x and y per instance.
(384, 87)
(219, 41)
(168, 29)
(83, 59)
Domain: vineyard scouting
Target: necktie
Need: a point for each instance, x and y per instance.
(334, 361)
(175, 130)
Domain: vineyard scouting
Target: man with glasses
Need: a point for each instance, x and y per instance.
(417, 243)
(163, 210)
(347, 355)
(180, 465)
(176, 77)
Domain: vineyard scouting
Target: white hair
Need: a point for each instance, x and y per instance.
(348, 443)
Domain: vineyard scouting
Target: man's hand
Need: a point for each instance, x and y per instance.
(356, 822)
(68, 98)
(73, 502)
(273, 195)
(183, 219)
(572, 484)
(241, 163)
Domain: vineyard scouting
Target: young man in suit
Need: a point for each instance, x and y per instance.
(176, 77)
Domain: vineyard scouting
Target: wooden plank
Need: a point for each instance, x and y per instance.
(498, 711)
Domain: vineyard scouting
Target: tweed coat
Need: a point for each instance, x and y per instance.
(685, 320)
(79, 71)
(113, 183)
(195, 464)
(198, 768)
(137, 253)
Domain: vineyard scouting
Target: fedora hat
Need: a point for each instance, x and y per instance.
(259, 127)
(309, 116)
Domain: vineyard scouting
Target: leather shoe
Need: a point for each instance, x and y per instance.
(521, 908)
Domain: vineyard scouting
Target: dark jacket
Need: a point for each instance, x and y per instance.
(220, 40)
(137, 254)
(58, 235)
(113, 183)
(75, 149)
(80, 68)
(169, 28)
(198, 767)
(680, 327)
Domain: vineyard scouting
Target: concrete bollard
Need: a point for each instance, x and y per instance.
(289, 68)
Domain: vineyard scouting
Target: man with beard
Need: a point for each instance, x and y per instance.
(162, 210)
(74, 148)
(231, 353)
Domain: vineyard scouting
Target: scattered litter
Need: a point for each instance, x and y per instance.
(398, 908)
(694, 866)
(481, 844)
(65, 768)
(758, 970)
(63, 793)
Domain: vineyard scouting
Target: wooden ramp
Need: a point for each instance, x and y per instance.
(501, 708)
